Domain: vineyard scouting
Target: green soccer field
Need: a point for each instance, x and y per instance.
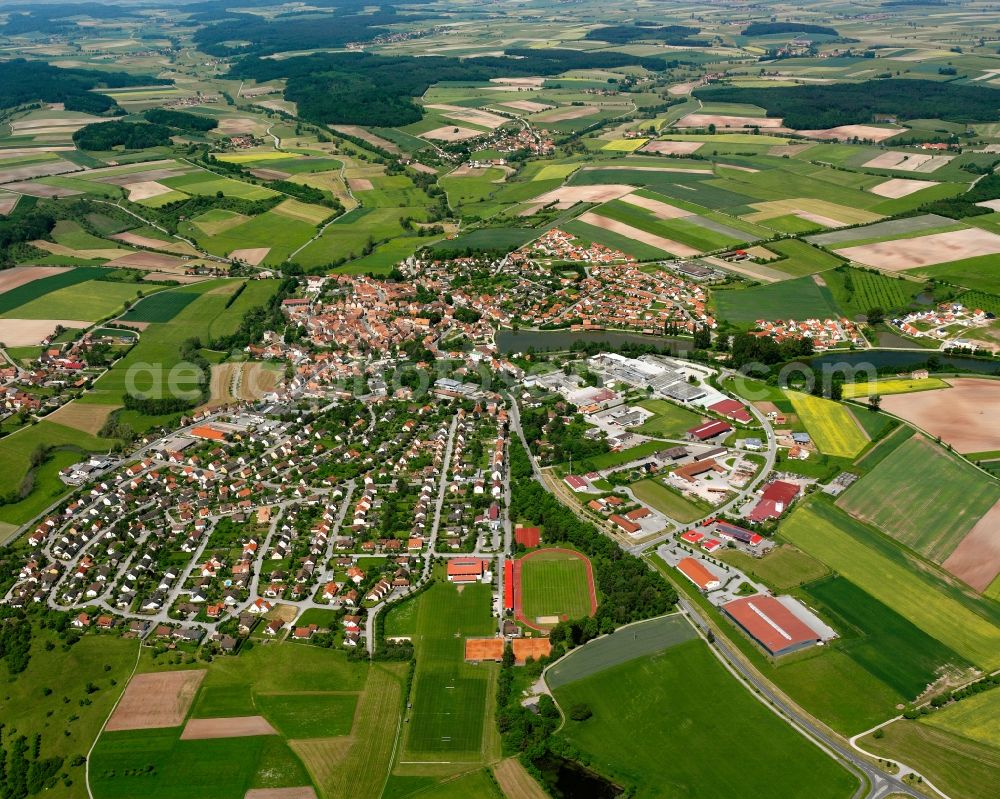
(554, 583)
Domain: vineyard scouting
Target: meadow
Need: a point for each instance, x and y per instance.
(670, 421)
(89, 301)
(832, 427)
(644, 707)
(555, 583)
(161, 307)
(976, 717)
(922, 496)
(784, 567)
(774, 301)
(668, 501)
(920, 597)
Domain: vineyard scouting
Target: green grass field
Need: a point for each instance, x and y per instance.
(555, 583)
(798, 258)
(837, 540)
(830, 424)
(607, 460)
(89, 301)
(649, 705)
(924, 497)
(884, 643)
(161, 307)
(800, 297)
(309, 715)
(668, 501)
(784, 567)
(595, 235)
(963, 768)
(671, 421)
(976, 717)
(451, 715)
(28, 292)
(255, 294)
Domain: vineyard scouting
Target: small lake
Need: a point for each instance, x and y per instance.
(567, 779)
(509, 341)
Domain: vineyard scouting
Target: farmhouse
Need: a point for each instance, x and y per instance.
(709, 430)
(698, 574)
(771, 624)
(467, 570)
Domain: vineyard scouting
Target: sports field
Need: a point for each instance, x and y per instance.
(636, 640)
(452, 706)
(846, 547)
(922, 496)
(554, 584)
(892, 386)
(976, 717)
(684, 697)
(833, 429)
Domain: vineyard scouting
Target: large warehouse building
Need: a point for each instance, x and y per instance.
(771, 624)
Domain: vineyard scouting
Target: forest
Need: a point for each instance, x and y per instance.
(668, 34)
(365, 89)
(102, 136)
(181, 119)
(768, 28)
(827, 106)
(23, 82)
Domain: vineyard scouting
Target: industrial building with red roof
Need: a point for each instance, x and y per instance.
(775, 500)
(465, 570)
(698, 574)
(708, 430)
(771, 624)
(732, 409)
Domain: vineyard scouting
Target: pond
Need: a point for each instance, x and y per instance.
(509, 341)
(567, 779)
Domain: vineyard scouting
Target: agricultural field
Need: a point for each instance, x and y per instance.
(968, 627)
(745, 306)
(976, 717)
(783, 568)
(89, 301)
(161, 307)
(832, 427)
(555, 583)
(684, 693)
(924, 497)
(892, 386)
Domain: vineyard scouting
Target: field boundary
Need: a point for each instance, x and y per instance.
(518, 606)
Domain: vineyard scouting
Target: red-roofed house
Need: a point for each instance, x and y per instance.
(576, 483)
(626, 525)
(776, 499)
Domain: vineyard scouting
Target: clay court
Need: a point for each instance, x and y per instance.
(612, 225)
(82, 416)
(863, 132)
(29, 332)
(478, 650)
(568, 196)
(659, 209)
(251, 255)
(671, 147)
(937, 248)
(161, 699)
(976, 559)
(963, 415)
(530, 649)
(451, 133)
(230, 727)
(901, 187)
(20, 275)
(726, 121)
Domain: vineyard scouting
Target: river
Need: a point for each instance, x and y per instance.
(509, 341)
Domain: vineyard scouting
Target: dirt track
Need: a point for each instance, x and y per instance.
(235, 727)
(516, 782)
(161, 699)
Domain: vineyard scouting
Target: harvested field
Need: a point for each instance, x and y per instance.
(961, 415)
(667, 245)
(160, 699)
(368, 136)
(16, 152)
(230, 727)
(108, 253)
(515, 781)
(570, 195)
(305, 792)
(154, 276)
(863, 132)
(145, 176)
(418, 167)
(149, 260)
(234, 126)
(568, 112)
(725, 121)
(41, 190)
(24, 125)
(660, 210)
(976, 559)
(937, 248)
(908, 162)
(7, 204)
(682, 170)
(232, 382)
(360, 184)
(251, 255)
(682, 88)
(534, 83)
(29, 332)
(81, 416)
(791, 150)
(900, 187)
(136, 240)
(451, 133)
(740, 168)
(145, 190)
(269, 174)
(526, 105)
(473, 115)
(17, 173)
(672, 147)
(834, 214)
(19, 275)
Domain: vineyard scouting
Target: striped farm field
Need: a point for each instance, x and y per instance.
(941, 611)
(833, 429)
(893, 386)
(555, 584)
(924, 497)
(976, 717)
